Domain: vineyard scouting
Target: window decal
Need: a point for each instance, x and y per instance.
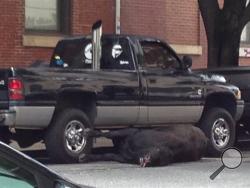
(88, 53)
(124, 62)
(116, 51)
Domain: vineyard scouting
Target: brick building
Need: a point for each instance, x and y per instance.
(30, 28)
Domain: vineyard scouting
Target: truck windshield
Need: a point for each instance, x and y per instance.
(156, 55)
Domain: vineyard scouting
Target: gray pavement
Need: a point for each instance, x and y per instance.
(192, 174)
(116, 175)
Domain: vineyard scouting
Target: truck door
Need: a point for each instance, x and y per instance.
(173, 96)
(118, 103)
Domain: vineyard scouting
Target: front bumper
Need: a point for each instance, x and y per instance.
(239, 109)
(27, 117)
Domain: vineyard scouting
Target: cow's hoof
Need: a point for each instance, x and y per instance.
(87, 132)
(83, 158)
(142, 162)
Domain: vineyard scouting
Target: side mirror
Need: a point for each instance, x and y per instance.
(187, 62)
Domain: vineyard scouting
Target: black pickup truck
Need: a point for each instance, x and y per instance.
(126, 81)
(239, 76)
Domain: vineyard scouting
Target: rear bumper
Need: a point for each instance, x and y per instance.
(27, 117)
(239, 109)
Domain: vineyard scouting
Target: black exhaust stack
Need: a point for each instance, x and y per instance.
(96, 44)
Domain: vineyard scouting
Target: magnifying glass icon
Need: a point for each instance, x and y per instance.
(231, 158)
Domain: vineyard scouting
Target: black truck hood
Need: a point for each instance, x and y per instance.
(208, 77)
(212, 78)
(217, 82)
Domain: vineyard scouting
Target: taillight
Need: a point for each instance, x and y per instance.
(15, 89)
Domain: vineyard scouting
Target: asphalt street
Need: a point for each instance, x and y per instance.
(116, 175)
(193, 174)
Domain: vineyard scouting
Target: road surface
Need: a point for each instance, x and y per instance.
(116, 175)
(192, 174)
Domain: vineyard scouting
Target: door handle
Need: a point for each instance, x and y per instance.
(139, 93)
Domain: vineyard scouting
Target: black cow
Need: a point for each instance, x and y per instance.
(152, 147)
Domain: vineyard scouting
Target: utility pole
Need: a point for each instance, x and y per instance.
(118, 17)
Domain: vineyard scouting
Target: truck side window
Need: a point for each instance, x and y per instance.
(116, 54)
(155, 55)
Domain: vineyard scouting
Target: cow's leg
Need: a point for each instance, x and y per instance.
(101, 157)
(166, 156)
(111, 134)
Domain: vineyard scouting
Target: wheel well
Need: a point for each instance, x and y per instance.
(222, 100)
(80, 100)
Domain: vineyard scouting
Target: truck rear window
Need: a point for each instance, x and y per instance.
(70, 53)
(116, 54)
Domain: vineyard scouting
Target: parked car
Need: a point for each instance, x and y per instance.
(18, 170)
(137, 81)
(239, 76)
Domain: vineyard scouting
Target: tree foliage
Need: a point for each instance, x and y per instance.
(223, 28)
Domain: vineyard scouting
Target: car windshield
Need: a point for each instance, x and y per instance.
(12, 176)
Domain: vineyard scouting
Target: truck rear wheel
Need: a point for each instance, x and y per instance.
(219, 126)
(65, 139)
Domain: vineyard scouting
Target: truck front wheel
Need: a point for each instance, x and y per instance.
(219, 126)
(65, 139)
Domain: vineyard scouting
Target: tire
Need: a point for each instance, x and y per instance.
(219, 126)
(64, 140)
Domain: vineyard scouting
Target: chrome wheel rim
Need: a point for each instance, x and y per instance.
(220, 133)
(74, 136)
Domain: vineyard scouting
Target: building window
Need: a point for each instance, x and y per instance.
(245, 36)
(47, 15)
